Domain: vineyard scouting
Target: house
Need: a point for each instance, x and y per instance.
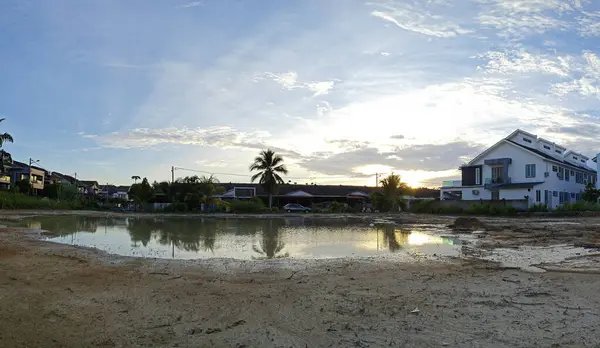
(112, 191)
(87, 187)
(21, 171)
(302, 194)
(523, 166)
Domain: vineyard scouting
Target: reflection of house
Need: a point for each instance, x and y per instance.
(523, 167)
(35, 175)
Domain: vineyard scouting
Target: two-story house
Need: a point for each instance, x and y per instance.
(21, 171)
(523, 166)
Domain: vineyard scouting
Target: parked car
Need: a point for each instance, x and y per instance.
(292, 207)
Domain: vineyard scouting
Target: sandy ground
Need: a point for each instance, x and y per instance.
(61, 296)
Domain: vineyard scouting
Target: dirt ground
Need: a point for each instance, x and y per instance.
(61, 296)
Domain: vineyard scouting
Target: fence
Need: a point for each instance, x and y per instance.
(519, 204)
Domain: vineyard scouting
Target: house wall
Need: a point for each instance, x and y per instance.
(516, 170)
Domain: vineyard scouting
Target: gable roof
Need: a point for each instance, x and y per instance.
(551, 158)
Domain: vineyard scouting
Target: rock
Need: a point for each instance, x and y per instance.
(466, 223)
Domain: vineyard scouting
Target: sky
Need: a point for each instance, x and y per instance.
(342, 89)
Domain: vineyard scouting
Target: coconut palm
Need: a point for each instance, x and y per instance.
(135, 178)
(268, 166)
(5, 137)
(393, 187)
(5, 157)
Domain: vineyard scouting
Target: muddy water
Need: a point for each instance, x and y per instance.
(300, 238)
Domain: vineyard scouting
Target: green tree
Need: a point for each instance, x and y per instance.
(591, 194)
(268, 166)
(5, 157)
(393, 188)
(135, 178)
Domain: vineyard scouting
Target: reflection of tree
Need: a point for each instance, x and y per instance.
(271, 244)
(389, 238)
(140, 230)
(67, 225)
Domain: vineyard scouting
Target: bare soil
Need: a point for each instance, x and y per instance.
(61, 296)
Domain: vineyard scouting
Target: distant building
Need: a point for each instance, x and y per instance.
(523, 166)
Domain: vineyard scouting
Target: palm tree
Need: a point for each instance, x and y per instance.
(5, 137)
(269, 165)
(135, 178)
(393, 187)
(5, 157)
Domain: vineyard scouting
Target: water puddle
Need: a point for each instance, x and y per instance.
(248, 239)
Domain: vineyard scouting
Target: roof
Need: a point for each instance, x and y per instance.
(307, 190)
(552, 158)
(88, 182)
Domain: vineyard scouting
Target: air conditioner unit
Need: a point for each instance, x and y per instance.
(546, 174)
(476, 192)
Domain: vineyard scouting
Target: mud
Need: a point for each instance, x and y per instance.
(55, 295)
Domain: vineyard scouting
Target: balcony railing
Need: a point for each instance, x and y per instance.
(452, 183)
(489, 181)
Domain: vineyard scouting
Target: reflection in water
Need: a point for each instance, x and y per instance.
(191, 238)
(271, 245)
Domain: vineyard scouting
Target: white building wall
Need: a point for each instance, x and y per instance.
(516, 170)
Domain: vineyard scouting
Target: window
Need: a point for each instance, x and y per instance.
(582, 161)
(527, 140)
(558, 152)
(577, 196)
(561, 197)
(546, 147)
(567, 174)
(572, 173)
(561, 173)
(530, 170)
(495, 195)
(538, 196)
(554, 193)
(579, 178)
(554, 168)
(575, 158)
(478, 176)
(572, 195)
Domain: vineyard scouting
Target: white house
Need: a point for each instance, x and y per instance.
(523, 166)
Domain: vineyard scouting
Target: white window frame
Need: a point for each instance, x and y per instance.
(478, 176)
(530, 170)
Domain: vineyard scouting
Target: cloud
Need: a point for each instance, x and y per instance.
(519, 61)
(192, 4)
(426, 157)
(417, 18)
(586, 71)
(289, 81)
(222, 137)
(397, 137)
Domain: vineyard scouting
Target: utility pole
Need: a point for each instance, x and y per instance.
(376, 179)
(172, 174)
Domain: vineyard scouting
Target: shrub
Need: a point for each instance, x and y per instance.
(491, 209)
(253, 206)
(578, 206)
(538, 208)
(10, 200)
(337, 207)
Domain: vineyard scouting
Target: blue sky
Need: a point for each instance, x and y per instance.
(108, 89)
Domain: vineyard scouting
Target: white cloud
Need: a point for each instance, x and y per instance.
(587, 81)
(518, 62)
(192, 4)
(289, 81)
(417, 19)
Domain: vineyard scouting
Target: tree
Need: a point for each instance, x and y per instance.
(135, 178)
(5, 157)
(393, 188)
(268, 165)
(591, 194)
